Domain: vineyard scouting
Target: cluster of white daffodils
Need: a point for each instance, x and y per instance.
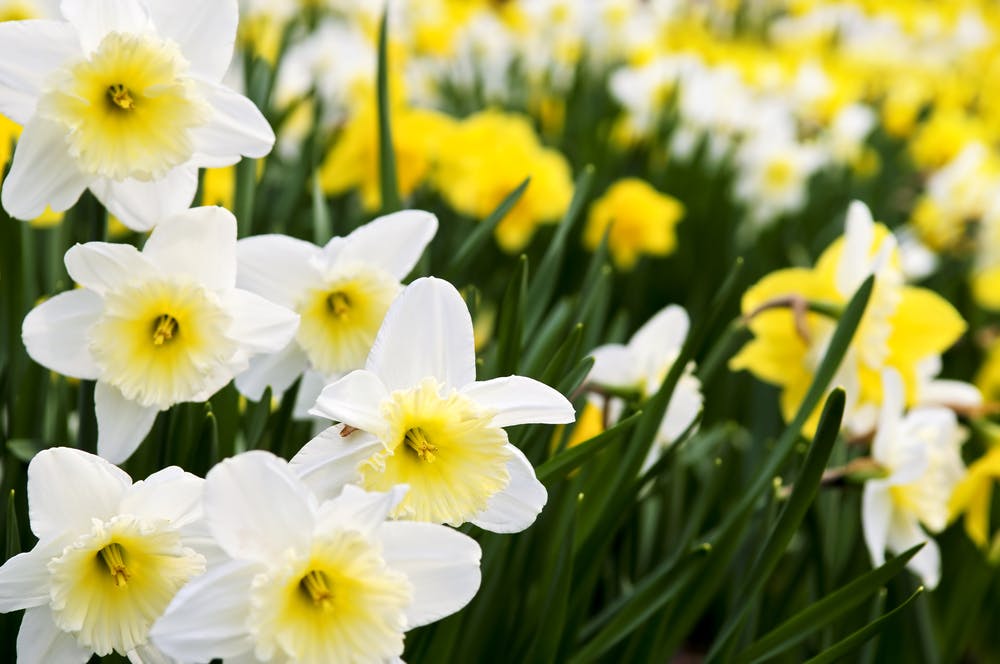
(123, 98)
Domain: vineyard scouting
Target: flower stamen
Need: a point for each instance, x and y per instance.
(120, 97)
(416, 440)
(316, 585)
(164, 328)
(338, 304)
(113, 556)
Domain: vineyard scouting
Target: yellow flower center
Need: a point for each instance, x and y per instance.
(338, 603)
(444, 448)
(111, 584)
(128, 108)
(778, 174)
(161, 342)
(339, 320)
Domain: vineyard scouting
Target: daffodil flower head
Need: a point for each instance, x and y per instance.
(903, 327)
(312, 581)
(111, 556)
(156, 327)
(341, 291)
(423, 420)
(123, 97)
(642, 364)
(920, 452)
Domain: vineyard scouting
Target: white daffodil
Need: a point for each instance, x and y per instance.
(642, 364)
(124, 98)
(920, 452)
(426, 422)
(156, 327)
(110, 556)
(341, 291)
(309, 581)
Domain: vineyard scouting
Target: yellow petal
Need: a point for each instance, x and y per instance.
(924, 324)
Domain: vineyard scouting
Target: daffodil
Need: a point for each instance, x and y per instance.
(974, 496)
(425, 421)
(903, 327)
(124, 98)
(156, 327)
(920, 454)
(110, 556)
(341, 292)
(312, 581)
(640, 367)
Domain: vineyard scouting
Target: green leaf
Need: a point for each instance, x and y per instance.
(13, 540)
(477, 239)
(24, 449)
(322, 226)
(544, 283)
(803, 494)
(843, 648)
(822, 613)
(510, 322)
(245, 195)
(388, 183)
(565, 461)
(255, 419)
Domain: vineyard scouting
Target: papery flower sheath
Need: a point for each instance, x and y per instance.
(425, 421)
(156, 327)
(341, 291)
(124, 97)
(312, 581)
(110, 556)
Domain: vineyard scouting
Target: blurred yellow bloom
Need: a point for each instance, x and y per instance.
(589, 423)
(218, 186)
(353, 162)
(988, 378)
(642, 222)
(974, 494)
(939, 140)
(486, 157)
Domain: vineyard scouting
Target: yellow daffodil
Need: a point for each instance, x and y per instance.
(974, 495)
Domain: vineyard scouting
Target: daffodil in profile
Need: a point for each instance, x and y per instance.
(110, 556)
(792, 314)
(920, 452)
(341, 292)
(156, 327)
(123, 97)
(423, 420)
(312, 581)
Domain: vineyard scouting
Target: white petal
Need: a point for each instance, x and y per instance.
(904, 533)
(42, 174)
(171, 494)
(329, 461)
(356, 400)
(104, 266)
(259, 325)
(205, 31)
(358, 509)
(40, 641)
(277, 267)
(519, 504)
(69, 487)
(55, 333)
(426, 333)
(237, 128)
(661, 336)
(393, 242)
(685, 404)
(520, 400)
(29, 52)
(441, 563)
(953, 393)
(24, 579)
(876, 512)
(199, 243)
(257, 508)
(121, 424)
(141, 205)
(310, 388)
(859, 233)
(278, 370)
(208, 617)
(615, 366)
(93, 19)
(889, 415)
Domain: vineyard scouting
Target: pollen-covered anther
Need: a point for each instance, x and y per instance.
(120, 97)
(417, 441)
(164, 329)
(113, 556)
(316, 586)
(339, 304)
